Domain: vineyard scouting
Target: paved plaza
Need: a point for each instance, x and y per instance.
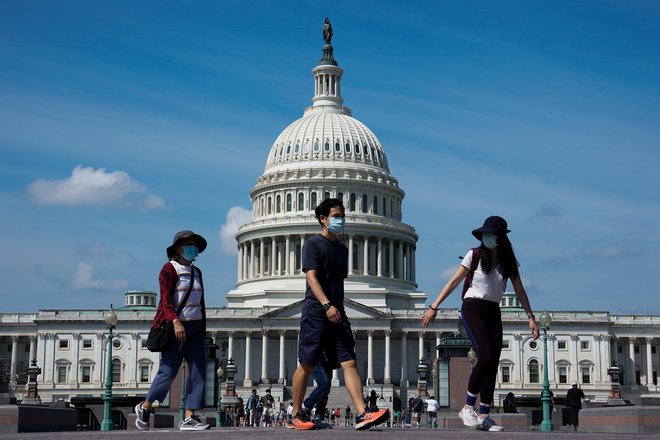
(336, 433)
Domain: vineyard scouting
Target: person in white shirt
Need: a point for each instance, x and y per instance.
(432, 411)
(486, 270)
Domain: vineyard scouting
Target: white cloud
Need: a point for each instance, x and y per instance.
(236, 217)
(83, 278)
(88, 186)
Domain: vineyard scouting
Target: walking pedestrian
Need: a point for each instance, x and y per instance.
(181, 288)
(486, 269)
(324, 326)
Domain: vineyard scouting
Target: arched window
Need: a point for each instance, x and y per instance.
(365, 207)
(340, 197)
(288, 203)
(337, 147)
(317, 146)
(384, 206)
(296, 149)
(278, 203)
(270, 205)
(352, 202)
(116, 370)
(348, 147)
(301, 201)
(533, 371)
(326, 146)
(357, 148)
(326, 195)
(288, 149)
(375, 204)
(313, 202)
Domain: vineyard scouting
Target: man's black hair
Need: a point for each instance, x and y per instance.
(325, 206)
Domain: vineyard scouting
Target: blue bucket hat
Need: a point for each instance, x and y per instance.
(492, 225)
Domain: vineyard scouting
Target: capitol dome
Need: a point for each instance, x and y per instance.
(327, 154)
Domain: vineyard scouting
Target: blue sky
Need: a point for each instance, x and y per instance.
(123, 122)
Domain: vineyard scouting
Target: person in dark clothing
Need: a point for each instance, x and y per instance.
(373, 398)
(574, 398)
(509, 403)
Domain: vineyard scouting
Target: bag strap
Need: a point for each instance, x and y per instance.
(474, 264)
(185, 298)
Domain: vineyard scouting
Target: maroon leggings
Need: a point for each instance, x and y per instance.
(483, 323)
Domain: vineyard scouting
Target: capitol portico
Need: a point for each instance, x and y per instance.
(327, 153)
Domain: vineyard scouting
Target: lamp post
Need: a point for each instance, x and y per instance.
(546, 424)
(182, 407)
(222, 374)
(422, 370)
(110, 319)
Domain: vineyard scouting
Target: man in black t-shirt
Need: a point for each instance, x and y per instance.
(324, 326)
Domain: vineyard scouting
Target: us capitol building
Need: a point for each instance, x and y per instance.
(327, 153)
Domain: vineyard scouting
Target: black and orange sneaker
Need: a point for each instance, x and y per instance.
(371, 418)
(301, 422)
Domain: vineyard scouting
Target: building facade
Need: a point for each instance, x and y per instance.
(326, 153)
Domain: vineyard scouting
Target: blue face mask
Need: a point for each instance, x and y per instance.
(337, 225)
(489, 240)
(190, 252)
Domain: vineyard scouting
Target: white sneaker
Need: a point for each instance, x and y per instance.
(470, 417)
(488, 424)
(193, 423)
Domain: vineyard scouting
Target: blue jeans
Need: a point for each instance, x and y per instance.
(192, 350)
(322, 374)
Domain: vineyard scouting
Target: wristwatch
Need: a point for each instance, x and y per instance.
(326, 306)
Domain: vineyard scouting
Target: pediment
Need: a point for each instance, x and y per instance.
(354, 310)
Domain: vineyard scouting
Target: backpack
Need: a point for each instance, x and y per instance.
(417, 404)
(474, 264)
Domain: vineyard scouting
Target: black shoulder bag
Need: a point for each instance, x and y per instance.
(159, 337)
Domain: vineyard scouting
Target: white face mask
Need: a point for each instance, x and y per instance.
(489, 240)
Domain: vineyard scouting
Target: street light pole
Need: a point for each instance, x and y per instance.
(546, 424)
(182, 407)
(110, 319)
(221, 376)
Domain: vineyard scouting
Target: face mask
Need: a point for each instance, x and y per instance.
(190, 252)
(489, 240)
(336, 225)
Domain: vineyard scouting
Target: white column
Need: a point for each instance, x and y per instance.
(335, 378)
(414, 265)
(12, 368)
(519, 368)
(574, 358)
(33, 348)
(273, 245)
(287, 259)
(598, 364)
(282, 379)
(649, 361)
(99, 359)
(379, 263)
(370, 357)
(252, 260)
(606, 361)
(407, 263)
(438, 339)
(280, 262)
(264, 357)
(75, 359)
(552, 353)
(262, 255)
(365, 257)
(387, 375)
(633, 369)
(350, 254)
(391, 266)
(247, 382)
(239, 274)
(400, 260)
(404, 359)
(245, 261)
(230, 345)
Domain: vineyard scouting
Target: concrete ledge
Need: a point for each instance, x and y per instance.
(621, 419)
(29, 418)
